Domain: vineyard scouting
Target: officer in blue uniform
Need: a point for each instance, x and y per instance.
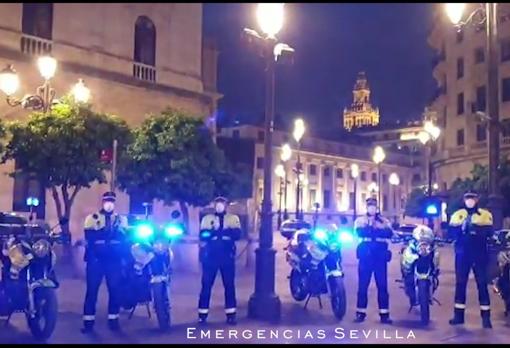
(218, 234)
(104, 235)
(471, 227)
(374, 232)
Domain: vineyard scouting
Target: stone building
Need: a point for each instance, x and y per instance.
(327, 179)
(136, 58)
(361, 113)
(460, 69)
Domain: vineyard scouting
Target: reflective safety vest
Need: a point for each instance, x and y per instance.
(471, 230)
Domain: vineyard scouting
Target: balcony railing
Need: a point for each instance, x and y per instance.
(144, 72)
(34, 45)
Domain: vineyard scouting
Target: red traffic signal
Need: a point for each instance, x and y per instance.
(106, 155)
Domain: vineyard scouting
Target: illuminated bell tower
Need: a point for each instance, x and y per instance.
(360, 113)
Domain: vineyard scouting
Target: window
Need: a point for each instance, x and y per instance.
(235, 134)
(28, 186)
(260, 162)
(339, 197)
(460, 103)
(459, 36)
(326, 171)
(505, 90)
(363, 197)
(260, 136)
(384, 178)
(385, 202)
(327, 199)
(481, 133)
(481, 98)
(374, 177)
(339, 173)
(363, 176)
(505, 50)
(460, 137)
(479, 55)
(313, 197)
(145, 41)
(460, 68)
(37, 20)
(313, 169)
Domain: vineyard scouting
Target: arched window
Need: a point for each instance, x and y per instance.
(145, 41)
(37, 20)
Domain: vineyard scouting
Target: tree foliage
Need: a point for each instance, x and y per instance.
(62, 149)
(416, 203)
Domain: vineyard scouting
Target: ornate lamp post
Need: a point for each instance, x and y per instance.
(280, 172)
(354, 175)
(44, 97)
(394, 181)
(487, 13)
(378, 157)
(285, 156)
(264, 303)
(299, 131)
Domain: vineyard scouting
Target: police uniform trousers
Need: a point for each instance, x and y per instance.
(378, 266)
(211, 265)
(99, 266)
(464, 263)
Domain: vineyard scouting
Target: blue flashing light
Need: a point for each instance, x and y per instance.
(206, 234)
(32, 201)
(345, 237)
(320, 235)
(144, 231)
(431, 209)
(173, 230)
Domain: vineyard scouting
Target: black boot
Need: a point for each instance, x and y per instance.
(458, 317)
(202, 319)
(486, 319)
(385, 318)
(360, 317)
(113, 324)
(231, 319)
(88, 326)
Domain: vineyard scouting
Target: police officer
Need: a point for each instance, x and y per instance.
(104, 233)
(218, 233)
(374, 231)
(471, 227)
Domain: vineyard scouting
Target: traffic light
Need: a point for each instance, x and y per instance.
(432, 206)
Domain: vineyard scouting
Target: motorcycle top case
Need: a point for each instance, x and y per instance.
(289, 227)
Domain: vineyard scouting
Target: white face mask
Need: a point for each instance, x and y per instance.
(470, 203)
(371, 210)
(220, 208)
(108, 206)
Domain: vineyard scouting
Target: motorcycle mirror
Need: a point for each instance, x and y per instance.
(175, 214)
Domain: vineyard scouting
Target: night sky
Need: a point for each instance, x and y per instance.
(332, 42)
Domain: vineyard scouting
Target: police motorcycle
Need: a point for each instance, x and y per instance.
(419, 265)
(147, 276)
(499, 267)
(314, 255)
(28, 283)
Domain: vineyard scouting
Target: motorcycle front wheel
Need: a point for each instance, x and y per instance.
(161, 304)
(424, 300)
(46, 310)
(297, 283)
(338, 298)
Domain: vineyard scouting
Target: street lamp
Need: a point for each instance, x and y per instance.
(280, 172)
(487, 13)
(264, 303)
(378, 157)
(394, 181)
(285, 156)
(354, 175)
(299, 131)
(44, 97)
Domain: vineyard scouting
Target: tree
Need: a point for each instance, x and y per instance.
(173, 158)
(62, 149)
(416, 203)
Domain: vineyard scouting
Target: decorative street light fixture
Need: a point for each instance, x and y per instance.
(354, 175)
(264, 303)
(378, 157)
(285, 156)
(487, 14)
(394, 181)
(280, 172)
(299, 131)
(44, 97)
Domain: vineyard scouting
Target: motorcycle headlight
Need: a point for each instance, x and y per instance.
(41, 248)
(144, 231)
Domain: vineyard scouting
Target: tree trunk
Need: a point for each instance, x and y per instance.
(185, 215)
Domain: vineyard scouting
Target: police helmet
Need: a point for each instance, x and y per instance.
(471, 194)
(221, 199)
(371, 201)
(109, 196)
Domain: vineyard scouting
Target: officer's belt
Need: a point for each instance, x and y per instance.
(102, 241)
(371, 239)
